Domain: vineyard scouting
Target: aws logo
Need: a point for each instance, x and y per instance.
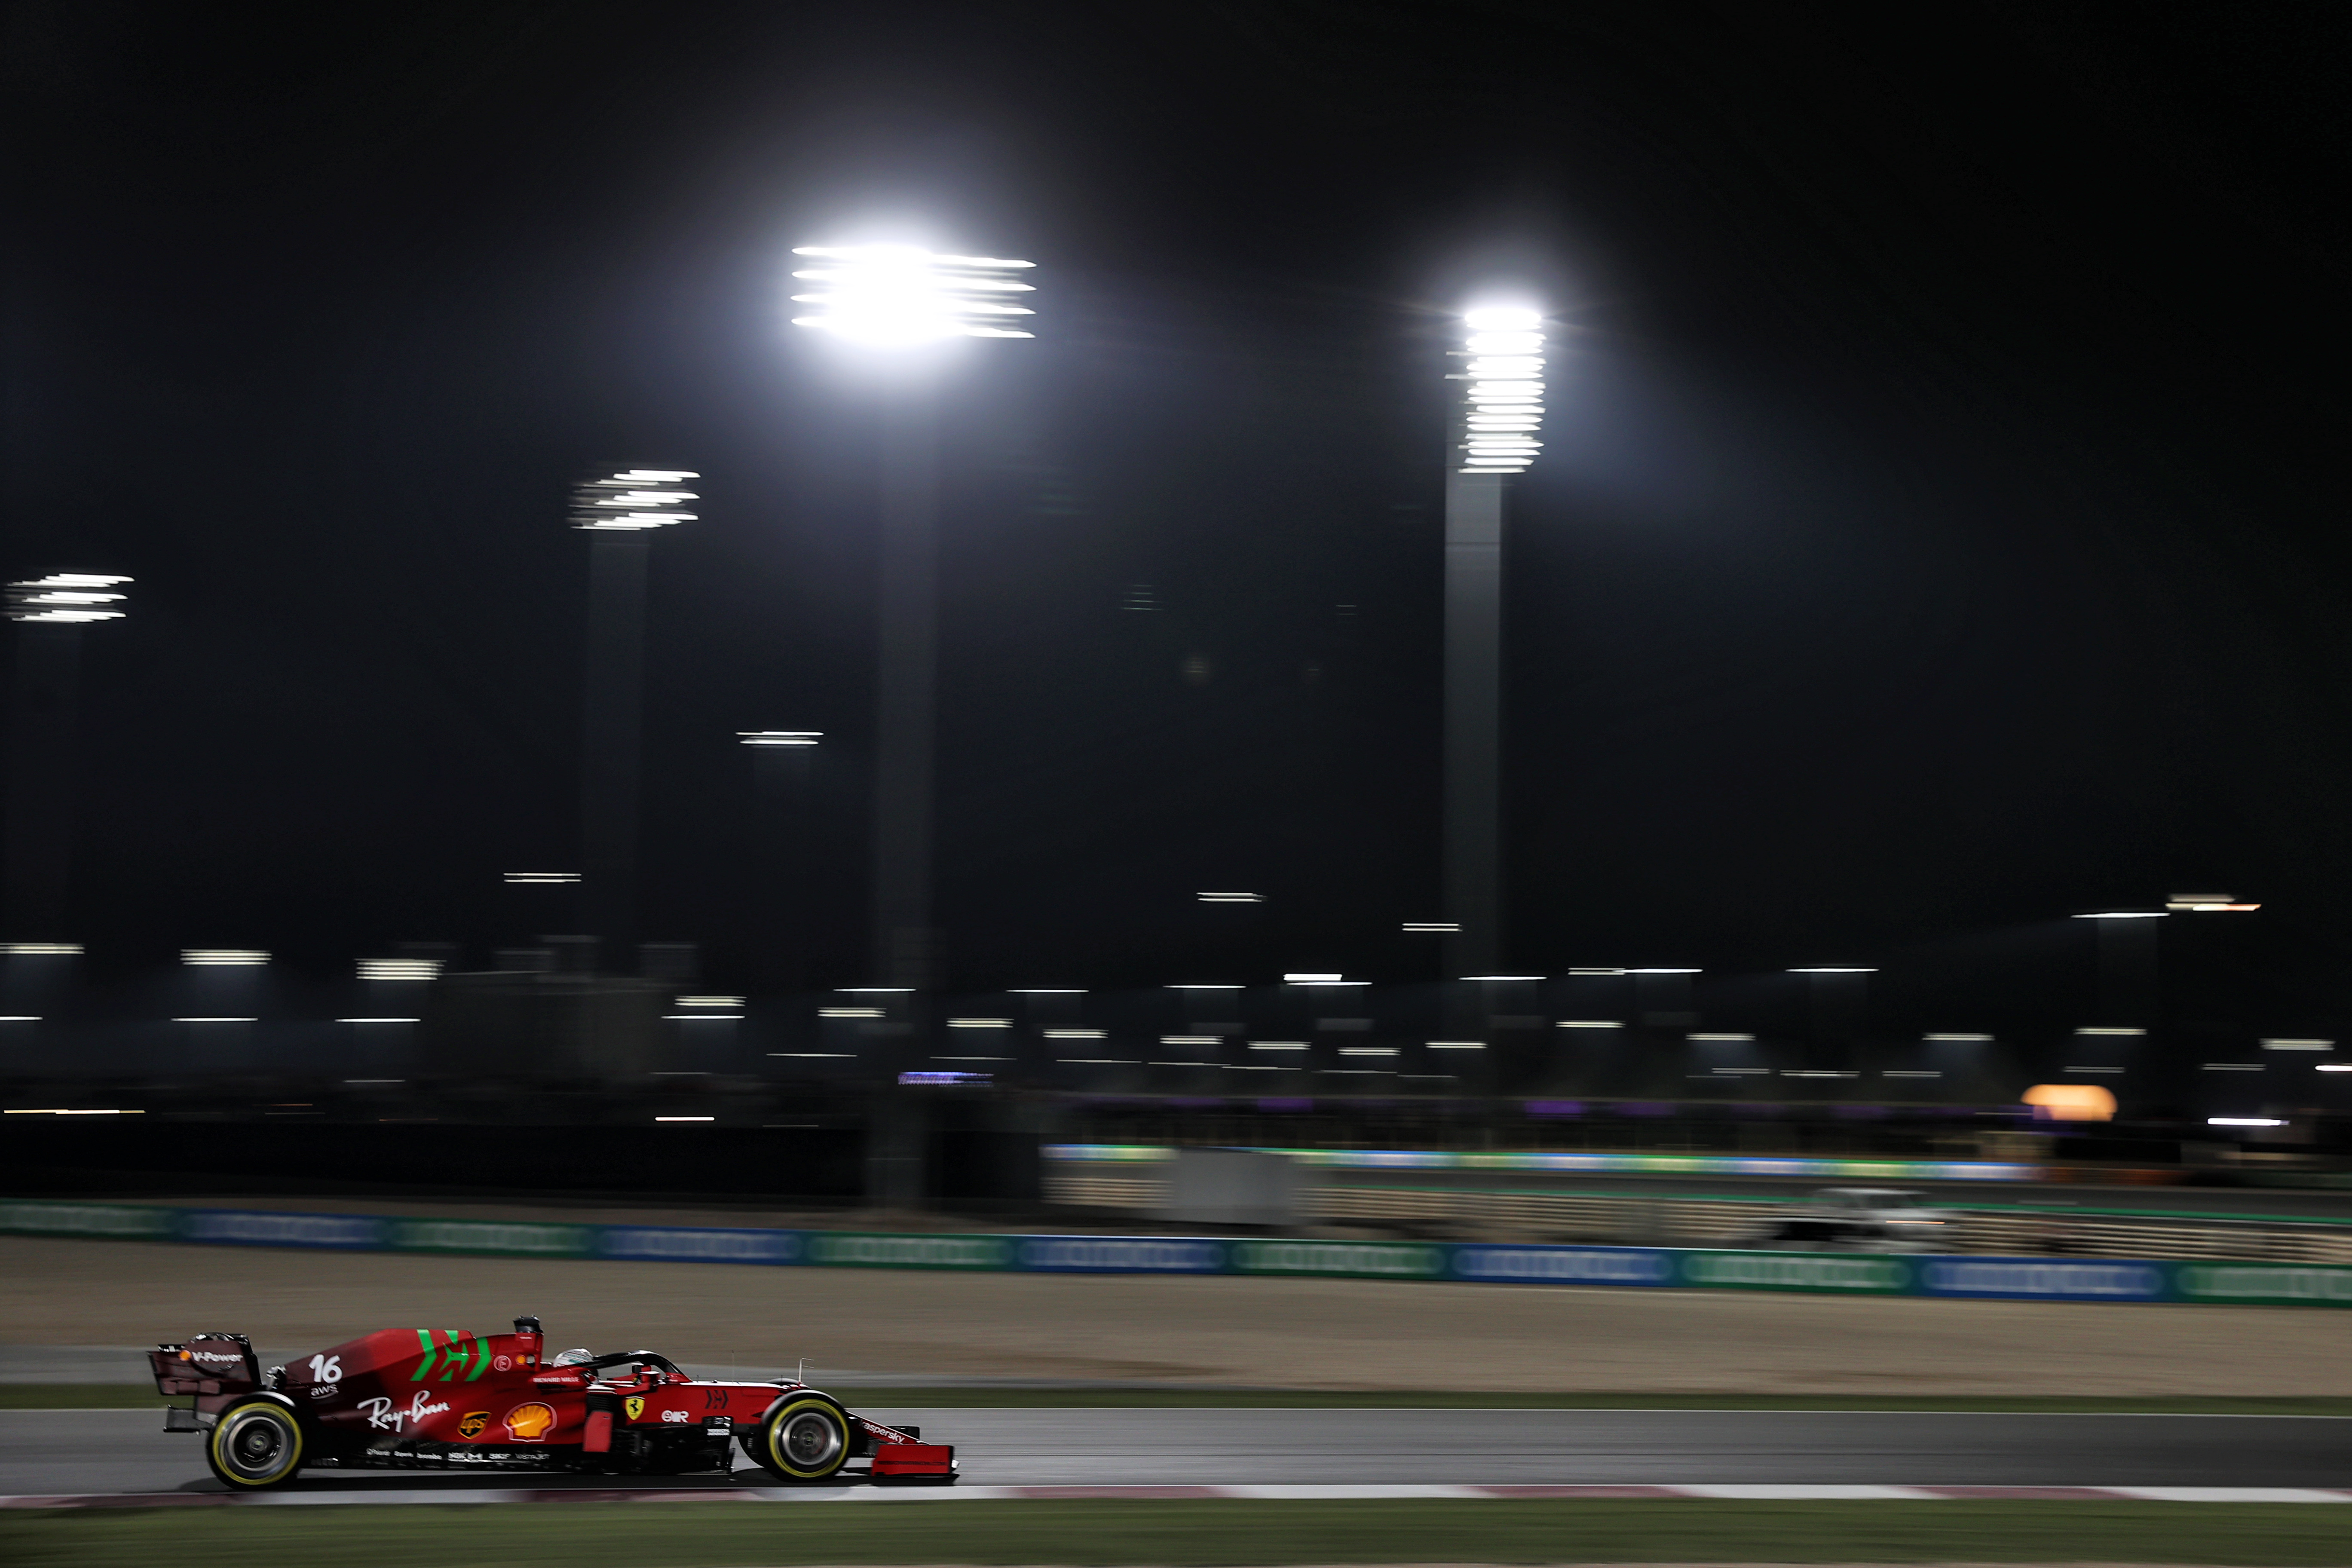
(470, 1425)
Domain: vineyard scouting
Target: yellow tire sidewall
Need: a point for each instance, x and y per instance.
(221, 1427)
(775, 1434)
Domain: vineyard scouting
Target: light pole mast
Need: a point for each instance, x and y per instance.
(50, 613)
(1473, 720)
(780, 769)
(896, 299)
(619, 511)
(1500, 416)
(905, 700)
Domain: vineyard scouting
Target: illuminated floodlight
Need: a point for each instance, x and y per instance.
(1665, 972)
(217, 957)
(710, 1001)
(2290, 1045)
(1591, 969)
(2071, 1101)
(1231, 898)
(1078, 1034)
(1047, 991)
(780, 737)
(849, 1012)
(2123, 915)
(1592, 1024)
(1204, 985)
(632, 500)
(378, 1021)
(898, 296)
(1832, 969)
(41, 949)
(208, 1019)
(1724, 1039)
(400, 968)
(2209, 904)
(979, 1023)
(1432, 925)
(1959, 1039)
(67, 597)
(541, 878)
(2109, 1029)
(1457, 1045)
(2245, 1121)
(1503, 404)
(1503, 977)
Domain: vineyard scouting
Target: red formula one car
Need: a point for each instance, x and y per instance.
(441, 1400)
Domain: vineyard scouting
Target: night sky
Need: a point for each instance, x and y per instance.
(1939, 533)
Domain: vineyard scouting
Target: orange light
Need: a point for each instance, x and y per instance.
(2071, 1102)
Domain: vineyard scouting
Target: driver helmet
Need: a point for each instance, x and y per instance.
(576, 1356)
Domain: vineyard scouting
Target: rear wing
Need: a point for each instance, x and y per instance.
(207, 1364)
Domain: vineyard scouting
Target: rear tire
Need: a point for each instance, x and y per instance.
(806, 1438)
(255, 1443)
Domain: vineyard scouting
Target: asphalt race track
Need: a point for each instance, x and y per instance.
(86, 1451)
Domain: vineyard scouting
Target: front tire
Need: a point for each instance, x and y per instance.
(806, 1438)
(255, 1443)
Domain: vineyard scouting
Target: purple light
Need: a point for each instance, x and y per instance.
(1555, 1108)
(1298, 1106)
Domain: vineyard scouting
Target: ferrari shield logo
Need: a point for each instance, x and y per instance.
(635, 1405)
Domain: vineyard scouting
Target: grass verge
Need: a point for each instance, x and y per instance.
(1181, 1534)
(133, 1396)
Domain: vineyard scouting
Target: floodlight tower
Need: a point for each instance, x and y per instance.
(898, 300)
(51, 611)
(1497, 424)
(621, 511)
(780, 770)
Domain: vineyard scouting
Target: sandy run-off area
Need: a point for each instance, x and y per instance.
(1231, 1330)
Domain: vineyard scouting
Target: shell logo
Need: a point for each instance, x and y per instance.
(530, 1423)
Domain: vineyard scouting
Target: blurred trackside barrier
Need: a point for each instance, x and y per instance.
(2143, 1281)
